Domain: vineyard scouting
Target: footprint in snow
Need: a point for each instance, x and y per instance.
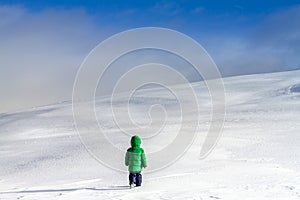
(213, 197)
(290, 187)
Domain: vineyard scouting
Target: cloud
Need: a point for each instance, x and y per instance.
(40, 54)
(197, 10)
(167, 8)
(271, 45)
(41, 51)
(280, 34)
(7, 16)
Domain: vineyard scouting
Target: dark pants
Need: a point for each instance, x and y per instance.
(135, 177)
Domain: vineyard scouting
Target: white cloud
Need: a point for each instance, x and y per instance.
(271, 45)
(40, 53)
(198, 10)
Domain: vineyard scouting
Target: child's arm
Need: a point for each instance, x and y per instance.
(127, 159)
(144, 161)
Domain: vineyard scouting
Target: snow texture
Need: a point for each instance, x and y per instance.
(257, 157)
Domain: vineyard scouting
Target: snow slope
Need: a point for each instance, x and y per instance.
(257, 157)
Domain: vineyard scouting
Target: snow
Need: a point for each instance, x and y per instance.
(257, 157)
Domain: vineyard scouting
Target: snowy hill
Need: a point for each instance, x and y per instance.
(257, 157)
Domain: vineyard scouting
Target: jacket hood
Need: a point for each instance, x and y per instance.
(135, 141)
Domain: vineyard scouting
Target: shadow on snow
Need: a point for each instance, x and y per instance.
(68, 190)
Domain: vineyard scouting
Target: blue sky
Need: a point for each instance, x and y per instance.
(44, 42)
(186, 15)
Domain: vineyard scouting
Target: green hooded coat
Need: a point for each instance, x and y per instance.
(135, 157)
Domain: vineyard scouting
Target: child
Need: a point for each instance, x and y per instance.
(135, 159)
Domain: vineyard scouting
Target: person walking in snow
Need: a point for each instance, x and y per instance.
(135, 159)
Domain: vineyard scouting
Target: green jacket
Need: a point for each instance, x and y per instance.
(135, 157)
